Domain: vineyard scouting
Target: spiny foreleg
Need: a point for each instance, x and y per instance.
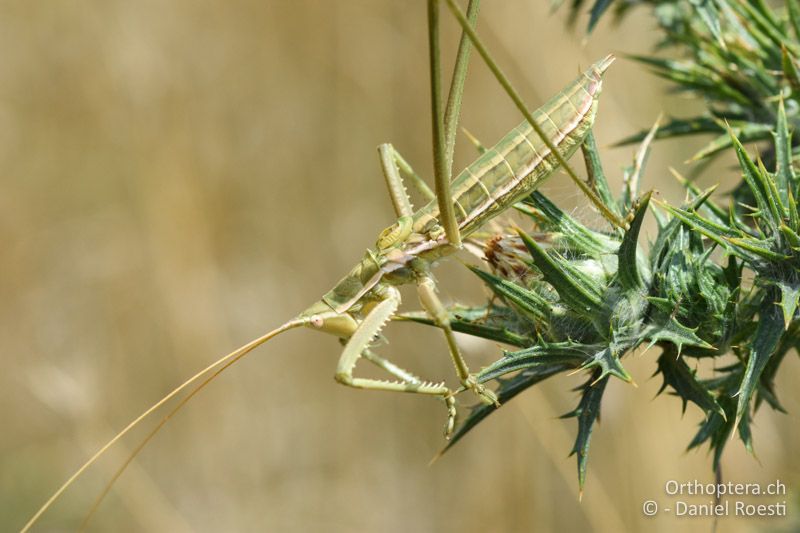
(358, 346)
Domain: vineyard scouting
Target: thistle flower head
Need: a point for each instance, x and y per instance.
(715, 282)
(571, 298)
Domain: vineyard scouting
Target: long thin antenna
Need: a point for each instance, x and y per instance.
(228, 360)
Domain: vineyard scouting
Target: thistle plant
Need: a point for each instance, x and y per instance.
(740, 56)
(720, 279)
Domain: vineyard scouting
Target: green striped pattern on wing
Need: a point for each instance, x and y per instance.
(521, 161)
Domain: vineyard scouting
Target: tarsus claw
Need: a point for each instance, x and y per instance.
(487, 396)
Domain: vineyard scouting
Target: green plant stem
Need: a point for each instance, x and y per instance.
(453, 109)
(447, 213)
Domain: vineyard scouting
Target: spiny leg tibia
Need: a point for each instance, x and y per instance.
(394, 168)
(426, 289)
(358, 346)
(413, 381)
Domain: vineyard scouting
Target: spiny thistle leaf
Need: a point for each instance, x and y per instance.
(495, 323)
(766, 388)
(716, 232)
(681, 378)
(676, 128)
(695, 77)
(766, 23)
(744, 132)
(568, 231)
(744, 432)
(785, 178)
(794, 17)
(790, 293)
(607, 362)
(599, 7)
(757, 248)
(790, 70)
(576, 289)
(587, 412)
(765, 341)
(736, 54)
(667, 232)
(666, 328)
(710, 16)
(757, 180)
(716, 429)
(701, 202)
(597, 177)
(528, 302)
(508, 389)
(542, 354)
(629, 272)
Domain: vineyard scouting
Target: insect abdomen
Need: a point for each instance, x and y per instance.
(521, 161)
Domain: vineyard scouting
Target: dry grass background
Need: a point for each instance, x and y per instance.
(178, 177)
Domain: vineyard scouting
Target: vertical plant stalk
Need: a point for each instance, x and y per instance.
(440, 174)
(453, 110)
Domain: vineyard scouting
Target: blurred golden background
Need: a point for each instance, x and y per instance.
(179, 177)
